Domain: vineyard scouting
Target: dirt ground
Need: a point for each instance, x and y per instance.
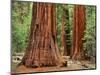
(76, 65)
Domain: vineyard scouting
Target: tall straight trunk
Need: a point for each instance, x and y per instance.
(78, 32)
(66, 45)
(67, 32)
(63, 34)
(42, 49)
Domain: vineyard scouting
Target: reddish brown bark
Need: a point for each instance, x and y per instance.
(66, 44)
(78, 31)
(63, 36)
(42, 49)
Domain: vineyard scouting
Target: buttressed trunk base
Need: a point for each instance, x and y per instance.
(42, 49)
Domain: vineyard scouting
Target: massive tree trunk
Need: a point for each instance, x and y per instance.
(42, 49)
(78, 32)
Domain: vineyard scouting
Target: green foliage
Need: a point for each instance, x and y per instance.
(59, 23)
(90, 33)
(67, 11)
(21, 19)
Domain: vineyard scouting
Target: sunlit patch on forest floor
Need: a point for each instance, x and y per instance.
(72, 65)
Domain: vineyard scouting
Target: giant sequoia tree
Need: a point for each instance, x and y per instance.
(78, 31)
(42, 49)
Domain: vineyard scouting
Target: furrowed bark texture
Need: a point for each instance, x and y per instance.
(78, 32)
(42, 49)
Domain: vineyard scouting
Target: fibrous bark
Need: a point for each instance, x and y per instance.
(78, 32)
(42, 49)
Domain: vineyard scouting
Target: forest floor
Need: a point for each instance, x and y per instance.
(72, 65)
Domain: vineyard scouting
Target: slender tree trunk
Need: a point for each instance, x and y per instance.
(66, 45)
(78, 32)
(68, 31)
(42, 49)
(63, 36)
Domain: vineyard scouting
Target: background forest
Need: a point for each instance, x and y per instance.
(21, 21)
